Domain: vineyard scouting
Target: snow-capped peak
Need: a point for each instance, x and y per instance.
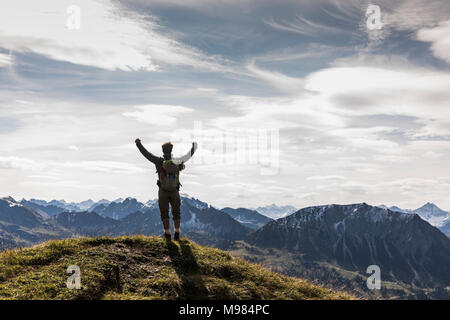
(274, 211)
(11, 202)
(433, 214)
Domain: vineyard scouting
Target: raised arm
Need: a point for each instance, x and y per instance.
(187, 156)
(145, 153)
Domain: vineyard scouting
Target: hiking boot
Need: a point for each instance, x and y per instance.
(168, 236)
(176, 236)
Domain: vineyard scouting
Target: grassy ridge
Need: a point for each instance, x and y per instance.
(143, 268)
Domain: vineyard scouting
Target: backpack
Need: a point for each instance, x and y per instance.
(169, 176)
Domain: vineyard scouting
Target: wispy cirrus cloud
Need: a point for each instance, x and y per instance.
(424, 20)
(303, 26)
(109, 37)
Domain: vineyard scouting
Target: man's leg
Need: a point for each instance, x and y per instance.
(175, 204)
(176, 224)
(163, 202)
(166, 225)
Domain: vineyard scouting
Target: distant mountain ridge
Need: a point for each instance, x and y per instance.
(119, 210)
(431, 213)
(23, 226)
(57, 205)
(45, 211)
(116, 209)
(274, 212)
(204, 223)
(249, 218)
(86, 223)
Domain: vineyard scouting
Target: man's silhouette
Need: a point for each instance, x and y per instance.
(168, 169)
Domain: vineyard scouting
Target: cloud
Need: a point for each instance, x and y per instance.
(108, 37)
(326, 178)
(159, 115)
(303, 26)
(192, 3)
(323, 138)
(330, 17)
(8, 124)
(350, 18)
(6, 60)
(103, 166)
(337, 94)
(269, 113)
(412, 15)
(398, 90)
(440, 39)
(12, 162)
(347, 128)
(277, 79)
(313, 51)
(216, 6)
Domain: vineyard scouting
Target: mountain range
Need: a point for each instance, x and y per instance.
(57, 206)
(23, 226)
(430, 213)
(250, 218)
(273, 211)
(332, 244)
(405, 247)
(118, 210)
(28, 222)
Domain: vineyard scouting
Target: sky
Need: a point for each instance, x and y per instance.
(303, 102)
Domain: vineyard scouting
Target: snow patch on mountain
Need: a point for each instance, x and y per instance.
(11, 202)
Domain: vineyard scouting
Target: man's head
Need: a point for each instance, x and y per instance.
(167, 148)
